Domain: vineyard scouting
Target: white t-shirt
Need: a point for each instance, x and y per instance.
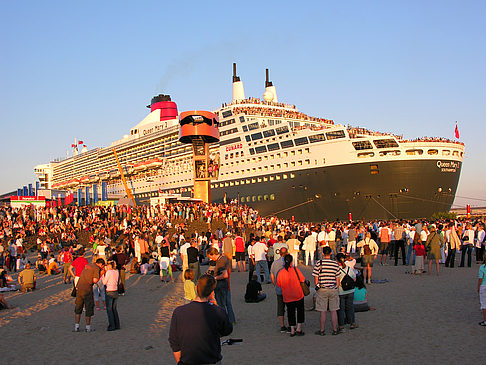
(259, 250)
(184, 248)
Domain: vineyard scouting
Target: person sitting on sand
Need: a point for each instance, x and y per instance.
(360, 300)
(254, 292)
(53, 268)
(146, 268)
(3, 303)
(27, 279)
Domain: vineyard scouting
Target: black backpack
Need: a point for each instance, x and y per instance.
(347, 282)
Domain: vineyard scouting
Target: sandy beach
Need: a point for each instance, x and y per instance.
(418, 319)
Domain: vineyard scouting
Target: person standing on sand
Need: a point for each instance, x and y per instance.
(433, 245)
(77, 266)
(326, 279)
(196, 328)
(276, 267)
(84, 293)
(482, 289)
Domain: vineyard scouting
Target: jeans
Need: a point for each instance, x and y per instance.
(400, 244)
(111, 311)
(410, 254)
(223, 298)
(346, 309)
(259, 265)
(466, 248)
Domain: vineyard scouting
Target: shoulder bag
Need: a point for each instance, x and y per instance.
(303, 284)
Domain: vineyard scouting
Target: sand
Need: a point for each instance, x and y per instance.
(418, 319)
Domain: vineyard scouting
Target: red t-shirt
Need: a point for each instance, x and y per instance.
(239, 244)
(67, 257)
(290, 284)
(79, 265)
(419, 250)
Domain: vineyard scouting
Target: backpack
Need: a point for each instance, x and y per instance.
(347, 282)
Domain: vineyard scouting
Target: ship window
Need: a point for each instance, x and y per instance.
(455, 153)
(268, 133)
(252, 151)
(259, 198)
(277, 177)
(365, 154)
(362, 145)
(260, 149)
(446, 152)
(385, 143)
(301, 141)
(286, 164)
(287, 144)
(335, 134)
(265, 197)
(390, 153)
(248, 138)
(272, 178)
(272, 196)
(245, 128)
(282, 130)
(253, 198)
(253, 181)
(414, 152)
(433, 152)
(247, 181)
(256, 136)
(462, 154)
(247, 199)
(292, 176)
(242, 199)
(253, 126)
(317, 138)
(374, 172)
(292, 153)
(242, 119)
(227, 113)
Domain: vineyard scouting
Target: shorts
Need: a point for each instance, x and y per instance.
(327, 299)
(280, 306)
(367, 260)
(240, 256)
(482, 296)
(384, 248)
(85, 300)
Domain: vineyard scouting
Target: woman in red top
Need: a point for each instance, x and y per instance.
(289, 279)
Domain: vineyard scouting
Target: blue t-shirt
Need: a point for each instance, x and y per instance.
(482, 274)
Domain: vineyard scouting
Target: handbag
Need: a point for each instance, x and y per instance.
(74, 292)
(303, 284)
(120, 287)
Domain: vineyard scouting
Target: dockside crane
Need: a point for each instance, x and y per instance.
(122, 175)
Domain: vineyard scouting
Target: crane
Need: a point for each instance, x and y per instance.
(122, 175)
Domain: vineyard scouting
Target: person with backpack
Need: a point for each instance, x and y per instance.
(347, 279)
(368, 251)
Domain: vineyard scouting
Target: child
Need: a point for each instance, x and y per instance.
(419, 249)
(360, 300)
(189, 287)
(165, 269)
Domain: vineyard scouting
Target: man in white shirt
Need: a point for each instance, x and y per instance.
(480, 244)
(183, 253)
(310, 248)
(259, 250)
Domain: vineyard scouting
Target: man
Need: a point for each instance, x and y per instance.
(196, 328)
(78, 266)
(259, 251)
(228, 247)
(321, 240)
(277, 247)
(385, 237)
(294, 246)
(13, 256)
(183, 253)
(351, 240)
(310, 249)
(240, 252)
(220, 273)
(27, 279)
(276, 267)
(192, 259)
(67, 259)
(400, 237)
(331, 239)
(326, 278)
(84, 293)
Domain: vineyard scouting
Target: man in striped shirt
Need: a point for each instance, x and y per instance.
(326, 279)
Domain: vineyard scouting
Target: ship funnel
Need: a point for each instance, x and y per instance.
(238, 90)
(270, 93)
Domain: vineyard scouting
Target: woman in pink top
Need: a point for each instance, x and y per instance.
(110, 279)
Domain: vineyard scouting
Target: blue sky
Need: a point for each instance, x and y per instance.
(88, 69)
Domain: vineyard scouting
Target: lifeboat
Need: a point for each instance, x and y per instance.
(154, 163)
(84, 180)
(140, 167)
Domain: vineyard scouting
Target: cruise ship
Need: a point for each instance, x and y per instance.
(273, 158)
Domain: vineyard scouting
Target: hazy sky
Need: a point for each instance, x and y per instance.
(87, 69)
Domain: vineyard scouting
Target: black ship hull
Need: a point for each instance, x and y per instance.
(385, 190)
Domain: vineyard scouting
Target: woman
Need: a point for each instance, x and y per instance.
(110, 279)
(368, 251)
(360, 301)
(289, 279)
(346, 296)
(433, 245)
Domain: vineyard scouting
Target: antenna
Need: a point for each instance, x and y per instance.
(235, 78)
(267, 82)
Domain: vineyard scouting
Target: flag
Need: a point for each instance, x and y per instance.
(73, 145)
(80, 142)
(456, 132)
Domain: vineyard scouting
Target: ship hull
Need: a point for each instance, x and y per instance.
(399, 189)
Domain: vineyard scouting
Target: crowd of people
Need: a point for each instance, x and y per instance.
(280, 113)
(163, 240)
